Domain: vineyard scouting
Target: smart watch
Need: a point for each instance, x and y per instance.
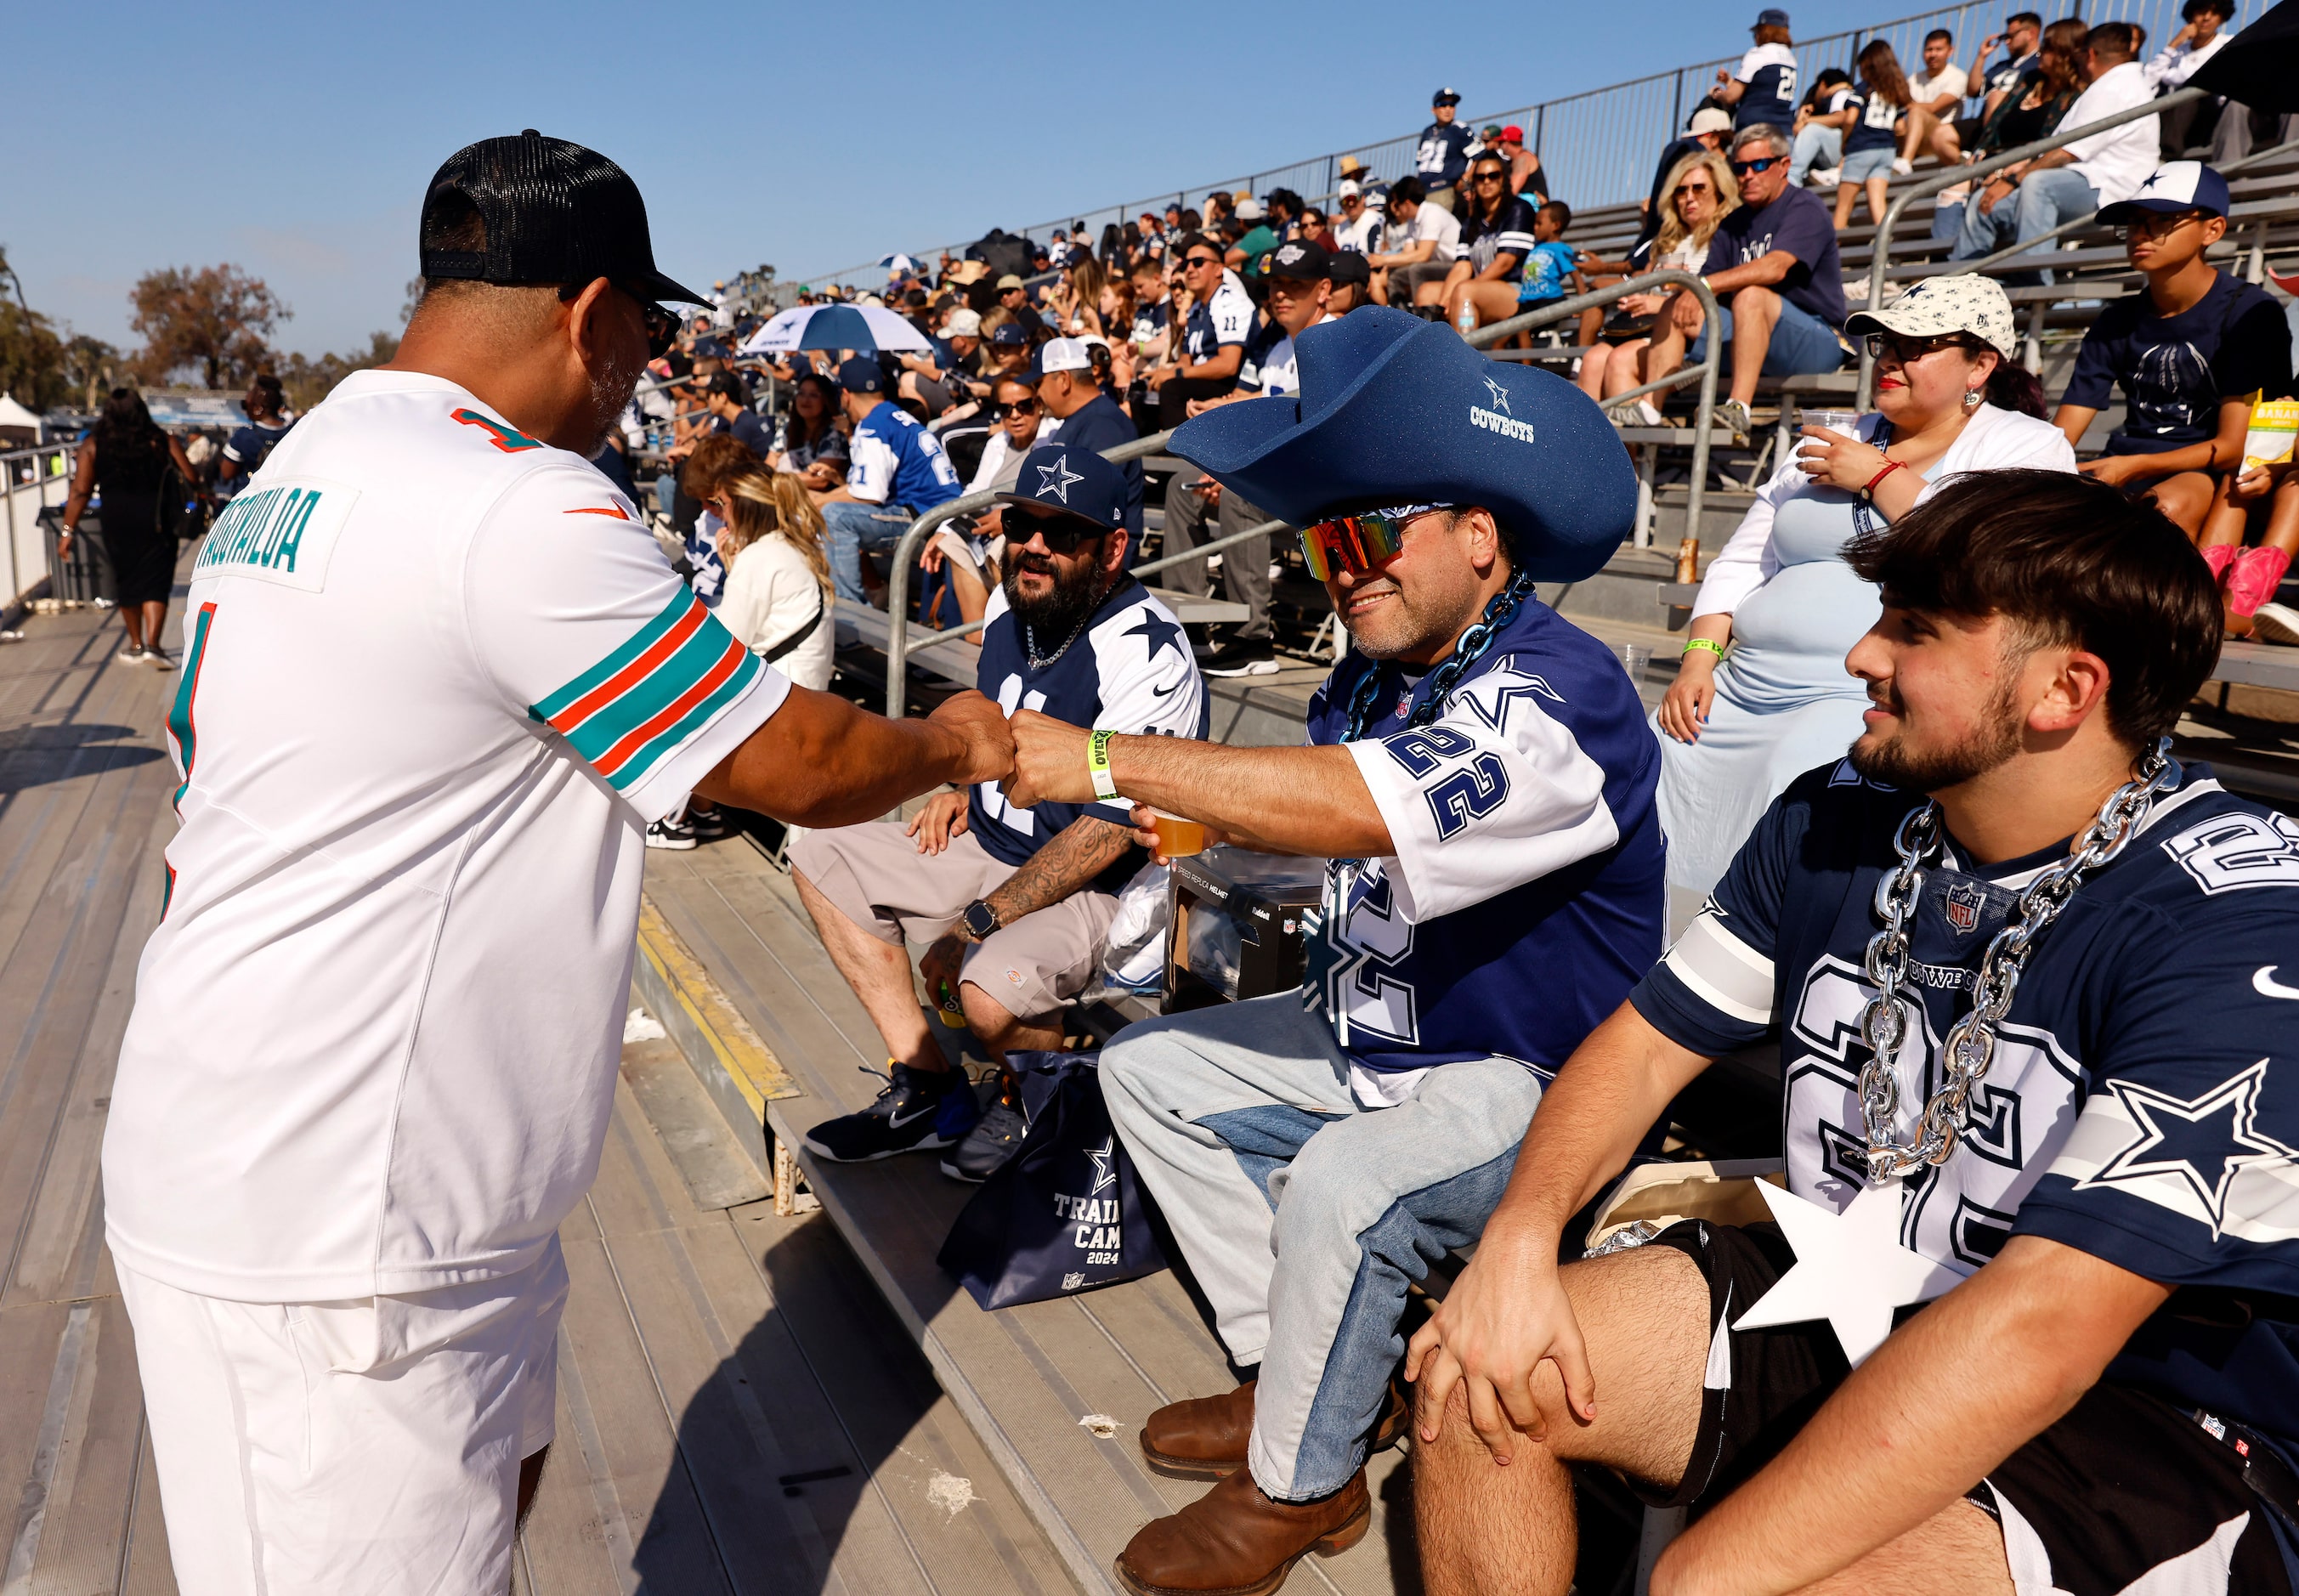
(979, 920)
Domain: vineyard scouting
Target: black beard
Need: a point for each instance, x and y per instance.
(1054, 617)
(1894, 765)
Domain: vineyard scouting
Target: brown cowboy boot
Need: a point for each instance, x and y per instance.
(1205, 1437)
(1236, 1540)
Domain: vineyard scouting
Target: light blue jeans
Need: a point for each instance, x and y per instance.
(853, 528)
(2043, 201)
(1303, 1214)
(1814, 146)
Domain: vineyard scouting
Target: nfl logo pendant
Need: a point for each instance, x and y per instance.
(1405, 704)
(1963, 901)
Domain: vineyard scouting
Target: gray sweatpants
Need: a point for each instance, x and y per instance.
(1304, 1214)
(1245, 566)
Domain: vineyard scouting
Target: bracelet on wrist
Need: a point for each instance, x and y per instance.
(1868, 491)
(1708, 643)
(1097, 763)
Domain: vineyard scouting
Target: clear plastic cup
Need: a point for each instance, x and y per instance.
(1845, 422)
(1178, 836)
(1634, 657)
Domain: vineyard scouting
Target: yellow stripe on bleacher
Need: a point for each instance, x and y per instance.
(740, 1050)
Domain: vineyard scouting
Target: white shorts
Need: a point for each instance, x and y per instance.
(363, 1447)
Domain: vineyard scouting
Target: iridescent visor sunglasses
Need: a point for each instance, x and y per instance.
(1360, 543)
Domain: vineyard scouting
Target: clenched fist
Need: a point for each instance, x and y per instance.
(1050, 759)
(981, 726)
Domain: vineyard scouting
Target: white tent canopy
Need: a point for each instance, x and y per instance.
(15, 416)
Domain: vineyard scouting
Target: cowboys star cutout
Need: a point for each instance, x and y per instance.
(1500, 397)
(1104, 1176)
(1056, 478)
(1850, 1268)
(1161, 634)
(2206, 1140)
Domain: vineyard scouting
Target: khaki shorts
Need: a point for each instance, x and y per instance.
(877, 878)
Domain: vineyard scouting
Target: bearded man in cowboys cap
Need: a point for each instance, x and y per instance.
(1479, 774)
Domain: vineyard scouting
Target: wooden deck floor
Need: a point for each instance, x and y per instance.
(739, 1411)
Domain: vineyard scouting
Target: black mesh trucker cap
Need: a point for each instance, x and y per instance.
(555, 213)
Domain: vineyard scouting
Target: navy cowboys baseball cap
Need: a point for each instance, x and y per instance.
(1445, 97)
(1303, 260)
(1771, 16)
(862, 374)
(553, 212)
(1394, 409)
(1070, 481)
(2174, 186)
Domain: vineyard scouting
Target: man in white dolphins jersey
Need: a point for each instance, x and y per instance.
(439, 679)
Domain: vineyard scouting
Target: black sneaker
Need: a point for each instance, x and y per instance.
(995, 1137)
(919, 1110)
(1241, 656)
(675, 835)
(709, 822)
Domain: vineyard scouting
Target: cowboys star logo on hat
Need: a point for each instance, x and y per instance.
(1500, 395)
(1056, 478)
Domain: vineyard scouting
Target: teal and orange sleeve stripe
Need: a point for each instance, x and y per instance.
(670, 680)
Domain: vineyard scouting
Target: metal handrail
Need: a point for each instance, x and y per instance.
(906, 549)
(1880, 252)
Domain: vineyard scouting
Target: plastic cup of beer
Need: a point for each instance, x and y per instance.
(1846, 423)
(1178, 836)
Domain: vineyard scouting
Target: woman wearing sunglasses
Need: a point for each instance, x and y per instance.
(1699, 193)
(1950, 398)
(1496, 238)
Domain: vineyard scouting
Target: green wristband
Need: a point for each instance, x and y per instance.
(1097, 760)
(1710, 643)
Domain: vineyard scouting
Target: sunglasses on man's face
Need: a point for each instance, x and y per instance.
(1360, 543)
(662, 326)
(1741, 169)
(1061, 533)
(1201, 260)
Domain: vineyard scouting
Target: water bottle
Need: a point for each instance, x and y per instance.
(1465, 319)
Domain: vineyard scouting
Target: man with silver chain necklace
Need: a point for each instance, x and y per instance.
(2028, 978)
(1482, 767)
(1014, 901)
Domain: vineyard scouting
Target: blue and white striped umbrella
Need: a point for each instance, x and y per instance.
(835, 327)
(900, 263)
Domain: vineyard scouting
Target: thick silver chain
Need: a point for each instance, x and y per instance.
(1971, 1044)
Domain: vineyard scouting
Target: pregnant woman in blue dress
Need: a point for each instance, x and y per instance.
(1763, 695)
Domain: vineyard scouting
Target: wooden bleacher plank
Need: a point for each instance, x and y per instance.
(565, 1549)
(1023, 1376)
(2257, 664)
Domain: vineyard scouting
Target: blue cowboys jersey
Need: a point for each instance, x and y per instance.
(1525, 898)
(1131, 671)
(1770, 72)
(1213, 324)
(894, 461)
(1443, 154)
(2132, 1111)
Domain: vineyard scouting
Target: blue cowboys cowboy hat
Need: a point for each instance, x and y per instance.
(1394, 409)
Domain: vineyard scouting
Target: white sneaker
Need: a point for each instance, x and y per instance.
(1825, 181)
(2276, 623)
(1903, 167)
(130, 653)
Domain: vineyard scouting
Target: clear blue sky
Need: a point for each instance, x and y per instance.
(297, 141)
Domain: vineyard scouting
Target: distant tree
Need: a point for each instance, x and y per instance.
(216, 320)
(91, 368)
(307, 381)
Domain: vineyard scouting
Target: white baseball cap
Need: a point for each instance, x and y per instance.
(1064, 354)
(1249, 208)
(1709, 119)
(963, 324)
(1936, 306)
(1346, 188)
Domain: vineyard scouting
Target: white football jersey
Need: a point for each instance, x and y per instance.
(438, 677)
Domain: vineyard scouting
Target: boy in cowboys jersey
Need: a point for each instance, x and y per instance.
(1014, 902)
(2105, 1400)
(1483, 766)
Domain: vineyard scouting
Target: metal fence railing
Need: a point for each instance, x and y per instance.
(900, 648)
(30, 480)
(1599, 145)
